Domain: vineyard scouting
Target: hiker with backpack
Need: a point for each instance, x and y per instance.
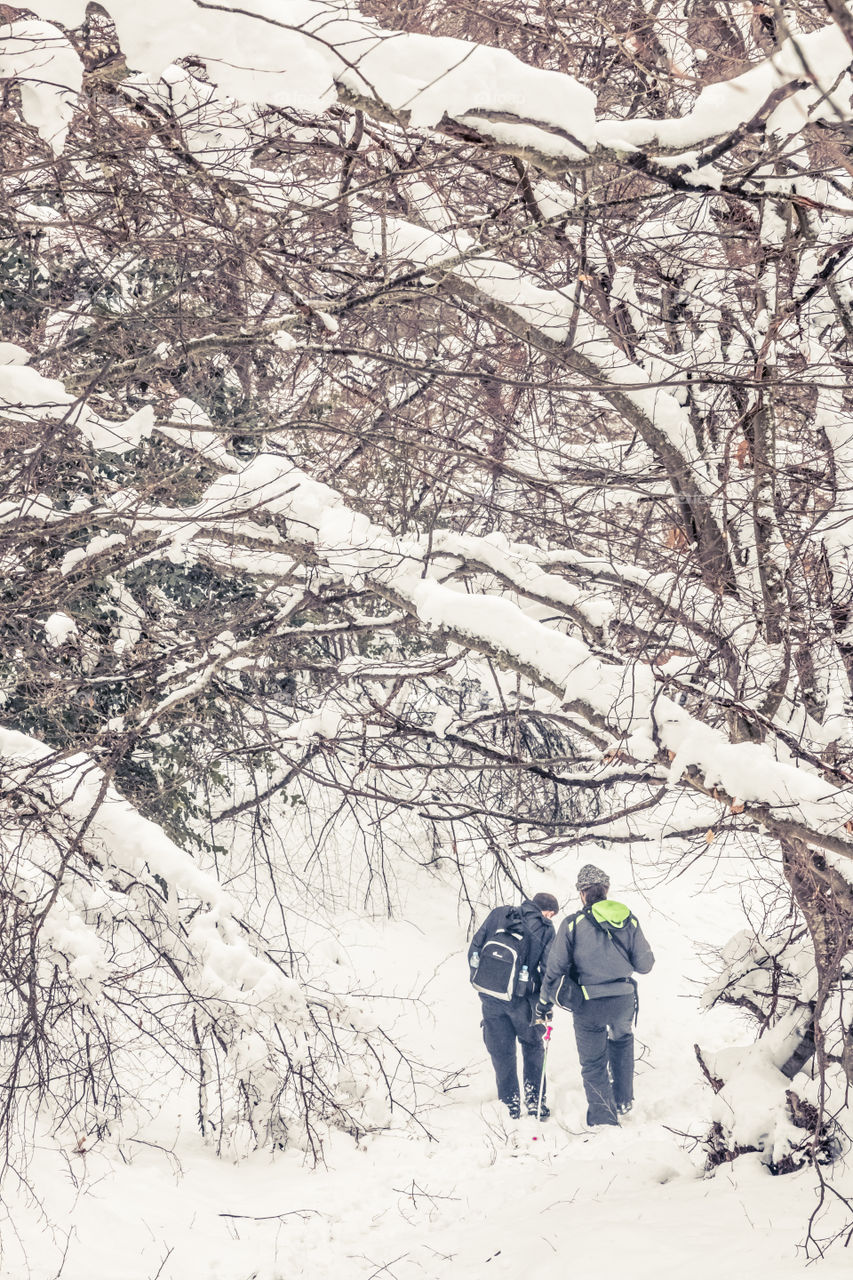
(589, 972)
(507, 959)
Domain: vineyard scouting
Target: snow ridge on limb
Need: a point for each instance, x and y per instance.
(306, 54)
(722, 108)
(553, 320)
(146, 948)
(620, 700)
(48, 72)
(122, 839)
(27, 396)
(518, 565)
(320, 51)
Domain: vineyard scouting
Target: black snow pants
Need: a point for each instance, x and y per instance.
(605, 1041)
(505, 1026)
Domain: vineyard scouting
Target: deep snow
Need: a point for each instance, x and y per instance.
(480, 1198)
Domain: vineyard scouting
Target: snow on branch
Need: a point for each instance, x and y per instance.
(553, 313)
(27, 396)
(517, 565)
(79, 797)
(818, 61)
(48, 73)
(156, 969)
(312, 52)
(620, 699)
(305, 54)
(554, 320)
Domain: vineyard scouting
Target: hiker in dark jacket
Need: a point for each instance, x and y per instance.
(600, 947)
(509, 1023)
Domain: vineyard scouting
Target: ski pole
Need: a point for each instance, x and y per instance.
(547, 1040)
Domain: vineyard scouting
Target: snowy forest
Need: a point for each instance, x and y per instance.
(427, 466)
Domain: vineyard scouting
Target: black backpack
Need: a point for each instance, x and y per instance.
(501, 968)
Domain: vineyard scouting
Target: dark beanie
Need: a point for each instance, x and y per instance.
(545, 902)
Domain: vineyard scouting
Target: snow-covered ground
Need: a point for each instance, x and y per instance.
(479, 1196)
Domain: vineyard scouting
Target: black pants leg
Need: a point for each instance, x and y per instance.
(603, 1035)
(532, 1054)
(620, 1055)
(504, 1027)
(499, 1038)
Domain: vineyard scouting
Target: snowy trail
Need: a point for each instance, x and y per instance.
(480, 1200)
(470, 1205)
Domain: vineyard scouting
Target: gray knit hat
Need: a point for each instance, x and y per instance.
(590, 874)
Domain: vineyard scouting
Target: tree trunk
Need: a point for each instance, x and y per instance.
(826, 900)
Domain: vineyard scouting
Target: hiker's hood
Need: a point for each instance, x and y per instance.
(529, 915)
(616, 914)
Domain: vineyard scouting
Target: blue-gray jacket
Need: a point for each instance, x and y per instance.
(600, 953)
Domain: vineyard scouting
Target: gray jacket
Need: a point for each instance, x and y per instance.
(600, 956)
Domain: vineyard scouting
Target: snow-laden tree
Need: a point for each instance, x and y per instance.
(449, 422)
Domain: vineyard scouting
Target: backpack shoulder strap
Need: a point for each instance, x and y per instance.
(602, 928)
(571, 921)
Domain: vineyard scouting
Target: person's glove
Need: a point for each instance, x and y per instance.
(543, 1011)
